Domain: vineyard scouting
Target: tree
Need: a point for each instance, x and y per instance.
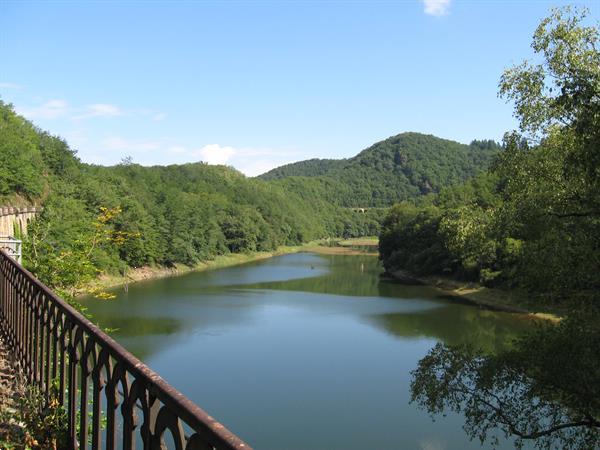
(557, 101)
(551, 172)
(65, 253)
(547, 387)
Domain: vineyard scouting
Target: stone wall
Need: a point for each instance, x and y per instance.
(15, 219)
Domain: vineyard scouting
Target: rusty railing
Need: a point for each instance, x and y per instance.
(112, 399)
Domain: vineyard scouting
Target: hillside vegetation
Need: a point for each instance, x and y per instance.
(399, 168)
(99, 218)
(533, 223)
(110, 218)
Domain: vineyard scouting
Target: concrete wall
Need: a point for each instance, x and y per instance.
(12, 219)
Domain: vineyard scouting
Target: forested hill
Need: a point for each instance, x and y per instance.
(398, 168)
(108, 218)
(193, 212)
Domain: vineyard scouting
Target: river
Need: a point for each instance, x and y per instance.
(302, 351)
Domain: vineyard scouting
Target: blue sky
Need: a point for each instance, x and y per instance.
(256, 84)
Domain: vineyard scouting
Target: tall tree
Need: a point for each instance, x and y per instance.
(546, 388)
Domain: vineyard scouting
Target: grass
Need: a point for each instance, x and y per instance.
(367, 241)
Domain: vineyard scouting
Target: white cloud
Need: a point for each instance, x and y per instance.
(159, 116)
(51, 109)
(216, 154)
(250, 161)
(436, 7)
(211, 153)
(11, 86)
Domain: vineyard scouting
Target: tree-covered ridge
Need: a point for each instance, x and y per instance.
(172, 214)
(399, 168)
(533, 219)
(308, 168)
(29, 158)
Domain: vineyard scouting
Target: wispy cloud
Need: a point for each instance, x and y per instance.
(436, 7)
(100, 110)
(51, 109)
(15, 86)
(58, 108)
(150, 113)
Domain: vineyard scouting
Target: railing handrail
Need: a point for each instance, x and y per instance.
(216, 434)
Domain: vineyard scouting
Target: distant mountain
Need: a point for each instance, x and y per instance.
(395, 169)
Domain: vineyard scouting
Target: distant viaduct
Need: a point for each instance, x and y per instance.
(15, 220)
(364, 210)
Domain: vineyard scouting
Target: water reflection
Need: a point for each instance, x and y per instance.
(301, 351)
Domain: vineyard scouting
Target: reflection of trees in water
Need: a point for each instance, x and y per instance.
(455, 325)
(544, 388)
(354, 275)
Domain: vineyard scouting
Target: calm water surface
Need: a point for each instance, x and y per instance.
(302, 351)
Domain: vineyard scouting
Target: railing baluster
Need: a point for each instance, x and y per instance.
(63, 362)
(72, 388)
(111, 409)
(98, 386)
(83, 402)
(48, 349)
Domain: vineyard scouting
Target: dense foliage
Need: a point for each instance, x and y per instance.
(173, 214)
(193, 212)
(534, 222)
(401, 167)
(308, 168)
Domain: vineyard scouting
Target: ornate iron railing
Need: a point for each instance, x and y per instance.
(112, 399)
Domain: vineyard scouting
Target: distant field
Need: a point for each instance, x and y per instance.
(371, 241)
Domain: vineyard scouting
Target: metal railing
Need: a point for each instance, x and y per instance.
(112, 399)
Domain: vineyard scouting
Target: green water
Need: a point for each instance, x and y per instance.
(302, 351)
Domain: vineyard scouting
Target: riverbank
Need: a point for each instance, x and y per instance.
(512, 301)
(134, 275)
(359, 246)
